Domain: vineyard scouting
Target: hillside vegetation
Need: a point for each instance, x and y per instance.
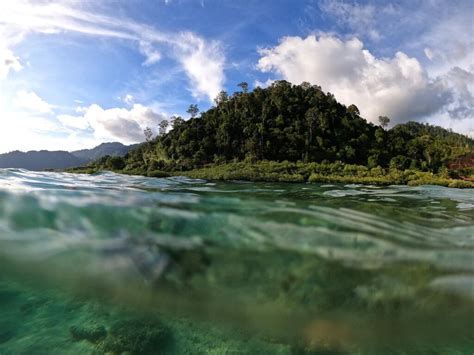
(290, 123)
(111, 149)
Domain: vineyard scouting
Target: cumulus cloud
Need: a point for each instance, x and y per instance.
(397, 87)
(91, 126)
(461, 83)
(26, 131)
(451, 52)
(33, 131)
(445, 45)
(73, 122)
(202, 60)
(125, 125)
(29, 100)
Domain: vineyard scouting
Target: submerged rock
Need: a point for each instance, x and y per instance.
(90, 332)
(137, 336)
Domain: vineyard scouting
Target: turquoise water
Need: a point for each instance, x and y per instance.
(110, 263)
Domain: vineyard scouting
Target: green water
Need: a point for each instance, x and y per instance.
(132, 265)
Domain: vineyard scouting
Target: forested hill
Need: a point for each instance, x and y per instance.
(294, 123)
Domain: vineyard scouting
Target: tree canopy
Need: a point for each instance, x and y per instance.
(286, 122)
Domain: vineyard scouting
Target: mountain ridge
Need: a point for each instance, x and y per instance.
(38, 160)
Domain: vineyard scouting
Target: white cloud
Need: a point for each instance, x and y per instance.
(23, 131)
(451, 46)
(441, 35)
(263, 84)
(450, 39)
(361, 19)
(73, 122)
(397, 87)
(8, 62)
(129, 99)
(115, 124)
(152, 55)
(429, 53)
(461, 83)
(202, 60)
(91, 126)
(29, 100)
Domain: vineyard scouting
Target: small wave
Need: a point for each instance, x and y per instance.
(47, 213)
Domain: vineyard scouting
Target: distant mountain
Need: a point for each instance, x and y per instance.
(40, 160)
(44, 159)
(114, 148)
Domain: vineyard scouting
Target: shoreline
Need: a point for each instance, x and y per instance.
(268, 171)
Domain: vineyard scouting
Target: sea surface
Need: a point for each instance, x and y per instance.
(117, 264)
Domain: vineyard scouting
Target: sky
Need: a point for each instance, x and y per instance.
(74, 74)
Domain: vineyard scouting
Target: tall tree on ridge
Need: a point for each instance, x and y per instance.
(193, 110)
(384, 121)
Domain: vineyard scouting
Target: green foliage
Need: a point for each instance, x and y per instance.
(176, 121)
(244, 86)
(461, 184)
(384, 121)
(163, 126)
(322, 173)
(193, 110)
(112, 162)
(221, 98)
(353, 109)
(148, 133)
(291, 123)
(158, 174)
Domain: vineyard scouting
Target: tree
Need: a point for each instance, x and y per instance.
(176, 121)
(148, 134)
(311, 117)
(353, 109)
(384, 121)
(163, 126)
(295, 122)
(244, 86)
(115, 163)
(221, 97)
(305, 85)
(193, 110)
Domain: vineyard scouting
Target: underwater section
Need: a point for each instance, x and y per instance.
(109, 263)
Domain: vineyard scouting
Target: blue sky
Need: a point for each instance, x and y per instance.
(77, 73)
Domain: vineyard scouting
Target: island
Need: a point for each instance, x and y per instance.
(296, 133)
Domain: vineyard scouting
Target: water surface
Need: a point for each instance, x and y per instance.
(232, 267)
